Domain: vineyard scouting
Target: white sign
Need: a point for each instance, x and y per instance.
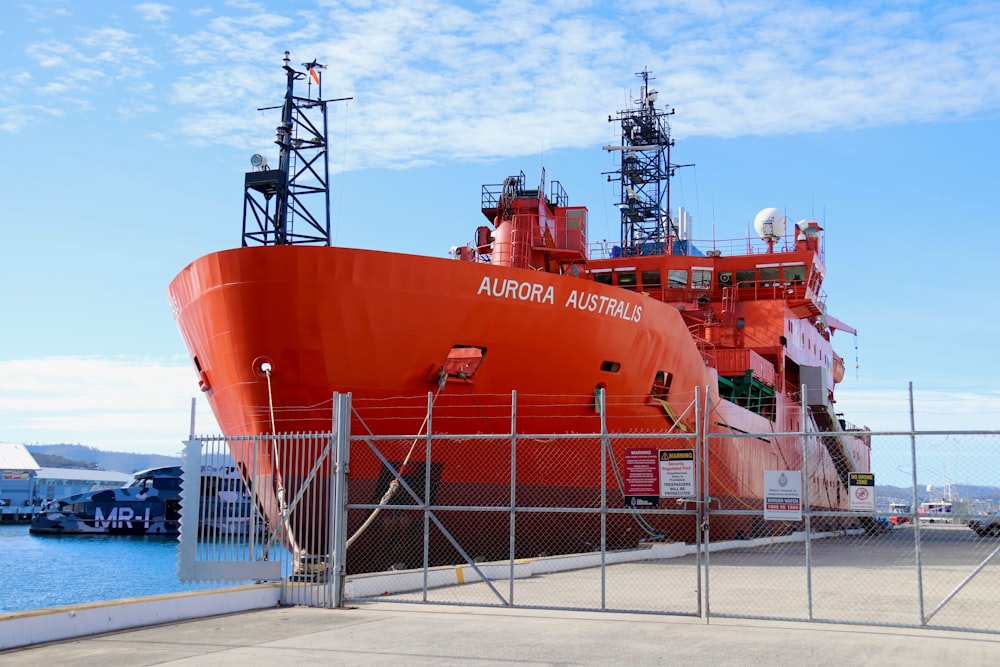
(677, 473)
(861, 487)
(782, 495)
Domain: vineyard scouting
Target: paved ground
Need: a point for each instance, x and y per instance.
(857, 579)
(860, 579)
(385, 633)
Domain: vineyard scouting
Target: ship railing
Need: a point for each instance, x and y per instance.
(705, 347)
(566, 236)
(605, 249)
(848, 426)
(491, 196)
(494, 192)
(557, 194)
(767, 290)
(754, 290)
(743, 291)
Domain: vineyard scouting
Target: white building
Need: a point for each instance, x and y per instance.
(25, 486)
(17, 467)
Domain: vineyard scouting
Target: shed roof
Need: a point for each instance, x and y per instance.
(15, 456)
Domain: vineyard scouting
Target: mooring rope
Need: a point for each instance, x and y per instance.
(275, 471)
(394, 484)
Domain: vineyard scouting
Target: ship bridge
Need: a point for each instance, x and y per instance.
(531, 229)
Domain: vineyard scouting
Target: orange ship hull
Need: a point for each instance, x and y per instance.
(381, 326)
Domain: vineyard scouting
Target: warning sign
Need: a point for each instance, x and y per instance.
(677, 473)
(861, 491)
(641, 477)
(783, 495)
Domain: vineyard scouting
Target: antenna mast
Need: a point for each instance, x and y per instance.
(647, 223)
(302, 142)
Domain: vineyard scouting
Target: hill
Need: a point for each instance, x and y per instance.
(81, 456)
(56, 461)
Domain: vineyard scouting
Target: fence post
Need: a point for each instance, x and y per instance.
(341, 465)
(916, 522)
(190, 511)
(426, 514)
(605, 445)
(513, 492)
(805, 500)
(703, 508)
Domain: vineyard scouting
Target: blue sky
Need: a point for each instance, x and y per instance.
(126, 128)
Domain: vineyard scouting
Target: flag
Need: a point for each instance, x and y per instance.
(314, 74)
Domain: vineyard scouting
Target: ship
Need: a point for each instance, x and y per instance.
(631, 331)
(150, 505)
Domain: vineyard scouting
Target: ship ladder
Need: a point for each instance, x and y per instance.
(832, 436)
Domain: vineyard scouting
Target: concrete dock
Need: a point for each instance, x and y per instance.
(862, 579)
(388, 633)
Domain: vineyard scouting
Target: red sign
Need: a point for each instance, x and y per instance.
(642, 471)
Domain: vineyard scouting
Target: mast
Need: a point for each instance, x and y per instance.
(303, 171)
(647, 223)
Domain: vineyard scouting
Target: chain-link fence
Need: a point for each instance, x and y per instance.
(652, 522)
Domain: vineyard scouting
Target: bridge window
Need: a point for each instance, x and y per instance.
(746, 278)
(626, 279)
(701, 279)
(677, 279)
(603, 277)
(795, 275)
(651, 279)
(769, 276)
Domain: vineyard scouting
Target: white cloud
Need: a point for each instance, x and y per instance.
(440, 81)
(37, 12)
(51, 54)
(154, 12)
(136, 109)
(434, 81)
(111, 403)
(17, 117)
(76, 75)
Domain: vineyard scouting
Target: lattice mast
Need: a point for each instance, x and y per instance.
(644, 174)
(303, 174)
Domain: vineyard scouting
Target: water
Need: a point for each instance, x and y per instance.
(49, 570)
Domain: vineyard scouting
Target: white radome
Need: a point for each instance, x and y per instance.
(770, 224)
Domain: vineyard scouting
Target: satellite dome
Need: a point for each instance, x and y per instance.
(770, 224)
